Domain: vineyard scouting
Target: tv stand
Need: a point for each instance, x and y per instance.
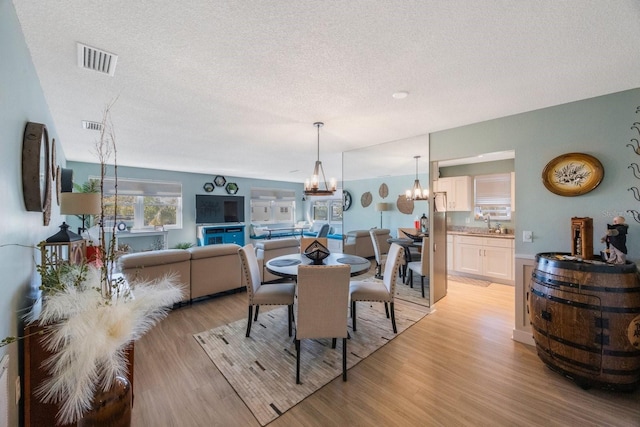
(221, 233)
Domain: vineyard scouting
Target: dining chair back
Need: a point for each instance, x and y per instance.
(379, 237)
(379, 291)
(324, 231)
(258, 294)
(322, 308)
(420, 267)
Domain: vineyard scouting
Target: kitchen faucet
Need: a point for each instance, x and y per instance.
(487, 219)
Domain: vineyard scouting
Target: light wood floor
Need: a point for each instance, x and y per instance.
(456, 367)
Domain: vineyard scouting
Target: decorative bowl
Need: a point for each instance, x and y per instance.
(316, 252)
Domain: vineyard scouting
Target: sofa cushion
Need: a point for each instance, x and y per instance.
(198, 252)
(150, 258)
(214, 269)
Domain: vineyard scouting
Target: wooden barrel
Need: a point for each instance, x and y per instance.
(585, 317)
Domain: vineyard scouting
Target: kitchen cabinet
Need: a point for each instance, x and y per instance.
(459, 191)
(484, 256)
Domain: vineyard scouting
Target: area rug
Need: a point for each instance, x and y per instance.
(261, 369)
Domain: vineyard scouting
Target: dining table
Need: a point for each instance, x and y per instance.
(287, 265)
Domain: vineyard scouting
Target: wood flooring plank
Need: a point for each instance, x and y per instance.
(457, 366)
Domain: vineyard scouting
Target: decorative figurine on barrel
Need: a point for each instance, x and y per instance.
(616, 241)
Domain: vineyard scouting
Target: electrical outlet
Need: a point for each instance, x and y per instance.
(527, 236)
(18, 390)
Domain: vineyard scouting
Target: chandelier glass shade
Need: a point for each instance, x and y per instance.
(416, 192)
(313, 186)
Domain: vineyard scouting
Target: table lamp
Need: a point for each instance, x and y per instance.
(82, 204)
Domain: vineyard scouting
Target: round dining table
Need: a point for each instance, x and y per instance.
(287, 265)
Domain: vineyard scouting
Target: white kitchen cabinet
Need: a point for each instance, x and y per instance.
(459, 191)
(484, 256)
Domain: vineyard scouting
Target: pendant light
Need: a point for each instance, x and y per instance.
(417, 193)
(312, 186)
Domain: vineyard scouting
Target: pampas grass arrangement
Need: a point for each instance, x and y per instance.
(88, 335)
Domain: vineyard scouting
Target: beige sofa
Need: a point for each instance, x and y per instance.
(269, 249)
(358, 242)
(202, 270)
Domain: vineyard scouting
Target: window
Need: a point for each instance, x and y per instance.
(143, 203)
(493, 196)
(272, 206)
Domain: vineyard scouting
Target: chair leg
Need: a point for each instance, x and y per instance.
(290, 318)
(411, 278)
(334, 342)
(344, 359)
(393, 318)
(353, 315)
(249, 320)
(297, 361)
(386, 309)
(255, 319)
(422, 283)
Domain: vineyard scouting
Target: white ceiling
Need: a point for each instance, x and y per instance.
(234, 87)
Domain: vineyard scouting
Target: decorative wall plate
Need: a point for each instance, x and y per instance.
(220, 181)
(346, 200)
(383, 191)
(208, 187)
(572, 174)
(36, 173)
(232, 188)
(366, 199)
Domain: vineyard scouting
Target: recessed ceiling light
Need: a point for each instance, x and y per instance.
(400, 95)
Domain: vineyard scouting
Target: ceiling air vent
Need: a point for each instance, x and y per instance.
(98, 60)
(91, 125)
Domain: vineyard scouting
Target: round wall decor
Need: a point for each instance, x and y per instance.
(572, 174)
(383, 191)
(36, 174)
(346, 200)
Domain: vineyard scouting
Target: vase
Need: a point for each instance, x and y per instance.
(110, 408)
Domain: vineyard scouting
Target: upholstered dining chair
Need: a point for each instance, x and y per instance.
(324, 231)
(258, 294)
(379, 290)
(379, 237)
(306, 241)
(322, 308)
(420, 267)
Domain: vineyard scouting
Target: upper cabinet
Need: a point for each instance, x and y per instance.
(459, 192)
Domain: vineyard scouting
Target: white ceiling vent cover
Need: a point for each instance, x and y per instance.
(91, 125)
(98, 60)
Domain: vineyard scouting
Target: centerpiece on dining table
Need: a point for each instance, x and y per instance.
(316, 252)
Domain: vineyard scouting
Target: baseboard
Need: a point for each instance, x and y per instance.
(524, 337)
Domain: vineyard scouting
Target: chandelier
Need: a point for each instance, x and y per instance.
(417, 193)
(312, 186)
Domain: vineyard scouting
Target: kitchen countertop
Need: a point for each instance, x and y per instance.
(482, 234)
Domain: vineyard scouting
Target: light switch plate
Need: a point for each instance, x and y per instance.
(527, 236)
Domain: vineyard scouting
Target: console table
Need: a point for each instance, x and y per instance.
(217, 234)
(123, 236)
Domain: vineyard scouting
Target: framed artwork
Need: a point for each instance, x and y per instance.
(572, 174)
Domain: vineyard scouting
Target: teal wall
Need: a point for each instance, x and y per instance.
(601, 127)
(191, 185)
(21, 101)
(361, 218)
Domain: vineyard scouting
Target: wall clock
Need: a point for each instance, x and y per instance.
(36, 174)
(572, 174)
(232, 188)
(346, 200)
(208, 187)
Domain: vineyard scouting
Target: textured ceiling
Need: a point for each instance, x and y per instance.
(234, 87)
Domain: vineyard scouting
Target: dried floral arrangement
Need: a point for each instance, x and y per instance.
(90, 315)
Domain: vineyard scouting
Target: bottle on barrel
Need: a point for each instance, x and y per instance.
(577, 242)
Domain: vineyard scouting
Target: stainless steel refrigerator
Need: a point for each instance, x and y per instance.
(438, 236)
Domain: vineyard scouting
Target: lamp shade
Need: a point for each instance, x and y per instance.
(382, 207)
(80, 203)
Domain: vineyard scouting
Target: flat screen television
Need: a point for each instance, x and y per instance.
(219, 209)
